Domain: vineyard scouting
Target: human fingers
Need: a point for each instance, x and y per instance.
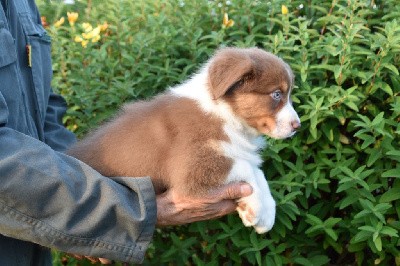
(233, 191)
(91, 259)
(101, 260)
(105, 261)
(223, 208)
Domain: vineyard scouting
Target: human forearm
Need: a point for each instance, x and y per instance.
(54, 200)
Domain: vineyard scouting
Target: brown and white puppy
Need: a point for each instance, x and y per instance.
(204, 132)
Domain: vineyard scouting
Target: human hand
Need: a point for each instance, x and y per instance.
(91, 259)
(175, 209)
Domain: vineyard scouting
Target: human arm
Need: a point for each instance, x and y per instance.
(54, 200)
(47, 197)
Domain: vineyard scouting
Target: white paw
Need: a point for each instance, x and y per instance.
(257, 213)
(267, 219)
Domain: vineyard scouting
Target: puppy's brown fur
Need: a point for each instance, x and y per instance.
(166, 138)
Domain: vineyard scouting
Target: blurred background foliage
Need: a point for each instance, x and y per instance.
(337, 182)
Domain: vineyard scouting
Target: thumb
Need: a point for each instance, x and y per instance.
(233, 191)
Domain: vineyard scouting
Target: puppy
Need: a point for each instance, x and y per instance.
(205, 132)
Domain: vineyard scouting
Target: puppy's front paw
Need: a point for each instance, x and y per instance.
(267, 217)
(256, 213)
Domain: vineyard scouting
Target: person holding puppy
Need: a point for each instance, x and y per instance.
(51, 200)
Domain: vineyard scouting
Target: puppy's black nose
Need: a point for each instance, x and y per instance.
(296, 125)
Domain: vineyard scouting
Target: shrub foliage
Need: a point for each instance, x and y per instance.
(337, 182)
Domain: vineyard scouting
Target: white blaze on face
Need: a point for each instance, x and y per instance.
(284, 122)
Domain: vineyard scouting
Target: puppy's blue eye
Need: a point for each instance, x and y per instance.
(276, 95)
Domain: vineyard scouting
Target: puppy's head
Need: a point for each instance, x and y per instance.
(257, 85)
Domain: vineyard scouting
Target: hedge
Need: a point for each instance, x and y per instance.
(336, 183)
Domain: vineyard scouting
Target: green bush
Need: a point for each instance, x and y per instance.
(337, 182)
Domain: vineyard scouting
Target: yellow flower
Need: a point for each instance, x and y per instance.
(84, 43)
(103, 26)
(285, 10)
(87, 27)
(96, 31)
(91, 34)
(81, 41)
(78, 39)
(96, 38)
(59, 22)
(87, 36)
(72, 18)
(226, 22)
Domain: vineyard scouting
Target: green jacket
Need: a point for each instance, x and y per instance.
(48, 199)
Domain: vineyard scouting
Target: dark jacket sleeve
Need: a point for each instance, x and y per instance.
(49, 198)
(55, 133)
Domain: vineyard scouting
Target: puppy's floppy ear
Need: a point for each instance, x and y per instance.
(228, 67)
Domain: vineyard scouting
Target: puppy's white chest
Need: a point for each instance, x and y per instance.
(242, 147)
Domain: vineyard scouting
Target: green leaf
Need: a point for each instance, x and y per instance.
(389, 231)
(258, 258)
(221, 250)
(362, 213)
(302, 261)
(352, 105)
(392, 68)
(331, 221)
(319, 260)
(248, 250)
(378, 119)
(254, 239)
(337, 70)
(373, 157)
(395, 154)
(361, 236)
(392, 194)
(354, 247)
(378, 243)
(392, 173)
(347, 171)
(347, 201)
(331, 233)
(313, 220)
(284, 219)
(386, 88)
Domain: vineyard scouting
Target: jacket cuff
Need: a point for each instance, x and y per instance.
(144, 187)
